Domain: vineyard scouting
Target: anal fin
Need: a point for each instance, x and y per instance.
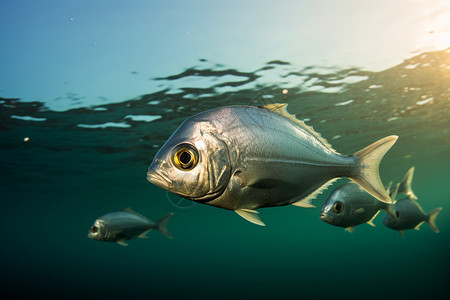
(144, 234)
(370, 222)
(122, 243)
(350, 229)
(306, 202)
(418, 226)
(250, 215)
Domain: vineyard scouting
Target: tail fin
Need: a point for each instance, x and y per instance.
(370, 158)
(432, 219)
(162, 225)
(405, 185)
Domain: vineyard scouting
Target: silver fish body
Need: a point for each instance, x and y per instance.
(245, 158)
(125, 225)
(407, 211)
(348, 206)
(410, 215)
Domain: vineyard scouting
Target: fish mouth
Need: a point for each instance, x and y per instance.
(324, 218)
(159, 180)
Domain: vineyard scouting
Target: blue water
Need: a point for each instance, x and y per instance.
(68, 160)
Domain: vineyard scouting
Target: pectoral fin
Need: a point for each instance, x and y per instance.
(266, 183)
(251, 216)
(254, 180)
(359, 210)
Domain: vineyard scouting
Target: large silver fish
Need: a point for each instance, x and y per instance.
(243, 158)
(124, 225)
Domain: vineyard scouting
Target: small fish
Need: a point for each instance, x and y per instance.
(410, 215)
(125, 225)
(243, 158)
(408, 212)
(349, 205)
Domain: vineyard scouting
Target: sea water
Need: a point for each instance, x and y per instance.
(65, 165)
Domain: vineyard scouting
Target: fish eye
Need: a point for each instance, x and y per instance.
(397, 214)
(94, 229)
(338, 207)
(185, 157)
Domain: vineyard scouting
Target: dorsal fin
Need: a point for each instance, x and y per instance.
(281, 109)
(393, 192)
(128, 209)
(388, 188)
(405, 185)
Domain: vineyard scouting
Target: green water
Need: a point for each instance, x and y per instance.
(58, 182)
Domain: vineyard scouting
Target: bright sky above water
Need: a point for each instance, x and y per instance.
(94, 52)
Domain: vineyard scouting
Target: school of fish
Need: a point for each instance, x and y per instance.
(243, 158)
(348, 206)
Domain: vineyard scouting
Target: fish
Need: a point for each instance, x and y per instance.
(349, 205)
(409, 214)
(243, 158)
(125, 225)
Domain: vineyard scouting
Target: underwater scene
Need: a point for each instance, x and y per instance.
(78, 152)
